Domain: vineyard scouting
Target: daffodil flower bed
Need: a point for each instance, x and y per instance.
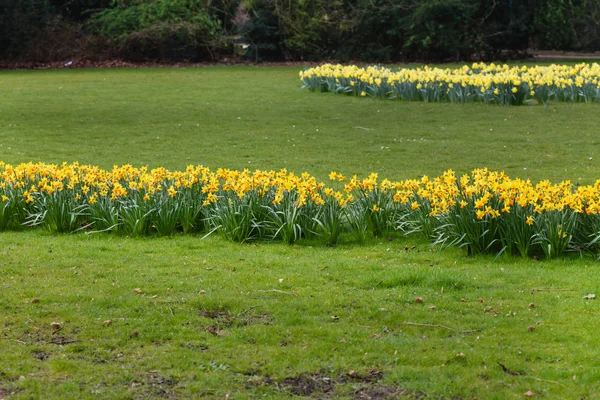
(483, 212)
(488, 83)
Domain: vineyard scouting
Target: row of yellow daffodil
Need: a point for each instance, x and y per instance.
(484, 211)
(489, 83)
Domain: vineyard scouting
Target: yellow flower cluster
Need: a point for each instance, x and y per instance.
(493, 193)
(281, 204)
(502, 84)
(273, 183)
(90, 183)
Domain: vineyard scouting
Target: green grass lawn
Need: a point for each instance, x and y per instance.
(247, 117)
(222, 320)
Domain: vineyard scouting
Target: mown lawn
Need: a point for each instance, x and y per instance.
(251, 117)
(192, 317)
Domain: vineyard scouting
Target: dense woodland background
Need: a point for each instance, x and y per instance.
(293, 30)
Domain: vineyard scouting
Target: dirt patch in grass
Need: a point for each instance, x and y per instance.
(307, 384)
(372, 389)
(154, 384)
(33, 336)
(319, 384)
(385, 392)
(4, 393)
(223, 317)
(39, 337)
(215, 312)
(40, 355)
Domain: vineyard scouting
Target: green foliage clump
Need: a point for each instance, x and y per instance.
(159, 29)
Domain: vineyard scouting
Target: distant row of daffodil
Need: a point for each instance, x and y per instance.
(489, 83)
(484, 211)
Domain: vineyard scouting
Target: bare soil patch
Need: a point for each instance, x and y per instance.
(154, 384)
